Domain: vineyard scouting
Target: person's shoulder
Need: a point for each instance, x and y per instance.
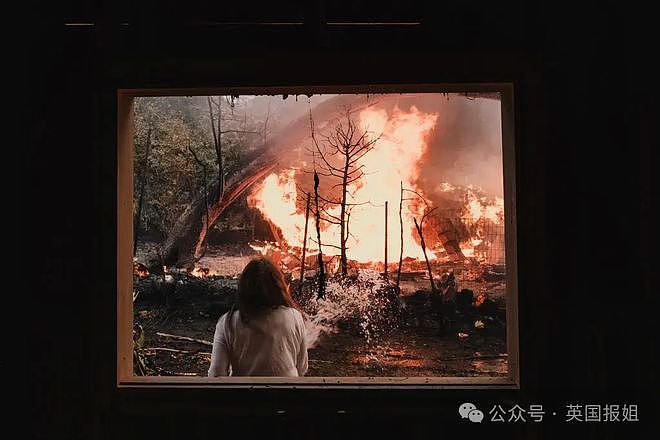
(287, 311)
(293, 311)
(223, 319)
(297, 315)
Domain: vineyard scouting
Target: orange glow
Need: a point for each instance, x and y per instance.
(479, 208)
(395, 158)
(389, 361)
(479, 212)
(140, 270)
(201, 272)
(480, 299)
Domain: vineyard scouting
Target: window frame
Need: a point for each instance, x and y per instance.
(125, 150)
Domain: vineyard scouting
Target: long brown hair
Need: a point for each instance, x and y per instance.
(261, 287)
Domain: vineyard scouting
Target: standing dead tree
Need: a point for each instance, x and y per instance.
(340, 153)
(437, 298)
(204, 176)
(217, 141)
(304, 247)
(266, 120)
(143, 187)
(216, 118)
(317, 215)
(419, 227)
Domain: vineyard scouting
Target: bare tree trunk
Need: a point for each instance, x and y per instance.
(143, 187)
(398, 274)
(428, 265)
(265, 134)
(321, 287)
(218, 155)
(436, 296)
(343, 260)
(206, 190)
(352, 147)
(217, 143)
(304, 248)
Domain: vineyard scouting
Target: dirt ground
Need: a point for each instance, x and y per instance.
(409, 350)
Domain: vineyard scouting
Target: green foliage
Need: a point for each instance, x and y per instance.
(166, 130)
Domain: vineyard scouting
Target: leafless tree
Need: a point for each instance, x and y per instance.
(419, 227)
(317, 216)
(340, 152)
(143, 186)
(216, 128)
(216, 117)
(266, 130)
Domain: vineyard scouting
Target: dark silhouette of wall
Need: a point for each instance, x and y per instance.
(587, 332)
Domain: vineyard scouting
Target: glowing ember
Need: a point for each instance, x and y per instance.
(140, 270)
(201, 272)
(480, 299)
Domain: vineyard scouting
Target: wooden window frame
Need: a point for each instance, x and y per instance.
(125, 149)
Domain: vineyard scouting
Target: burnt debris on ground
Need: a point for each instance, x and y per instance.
(452, 332)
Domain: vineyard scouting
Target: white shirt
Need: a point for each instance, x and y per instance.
(271, 344)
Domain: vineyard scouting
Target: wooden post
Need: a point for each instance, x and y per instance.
(398, 274)
(302, 259)
(386, 240)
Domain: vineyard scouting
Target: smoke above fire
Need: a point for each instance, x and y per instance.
(444, 149)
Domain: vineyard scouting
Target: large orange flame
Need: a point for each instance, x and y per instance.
(395, 160)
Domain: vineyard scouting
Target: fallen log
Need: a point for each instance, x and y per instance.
(185, 338)
(173, 350)
(475, 357)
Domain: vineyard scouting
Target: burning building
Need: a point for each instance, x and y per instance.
(402, 170)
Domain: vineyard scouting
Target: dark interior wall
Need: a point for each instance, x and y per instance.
(584, 171)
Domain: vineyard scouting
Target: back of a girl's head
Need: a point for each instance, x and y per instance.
(262, 286)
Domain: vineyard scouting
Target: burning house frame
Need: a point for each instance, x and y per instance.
(372, 241)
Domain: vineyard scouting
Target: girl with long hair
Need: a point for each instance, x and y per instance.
(264, 333)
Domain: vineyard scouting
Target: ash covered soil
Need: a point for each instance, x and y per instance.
(414, 347)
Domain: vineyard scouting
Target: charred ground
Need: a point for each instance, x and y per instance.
(175, 317)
